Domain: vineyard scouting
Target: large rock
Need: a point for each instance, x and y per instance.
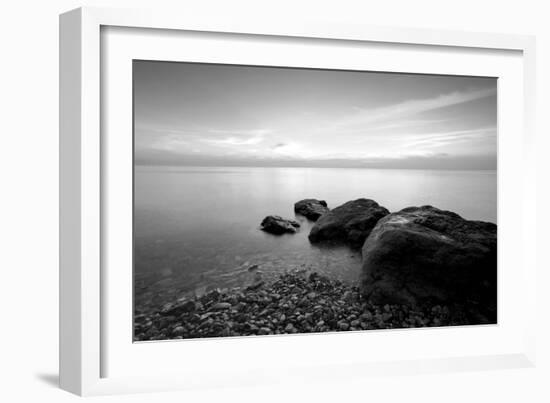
(312, 209)
(277, 225)
(350, 223)
(425, 255)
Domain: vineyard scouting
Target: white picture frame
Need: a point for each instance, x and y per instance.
(87, 344)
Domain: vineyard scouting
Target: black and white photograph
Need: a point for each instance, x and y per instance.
(277, 200)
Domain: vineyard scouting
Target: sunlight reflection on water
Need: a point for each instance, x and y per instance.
(198, 228)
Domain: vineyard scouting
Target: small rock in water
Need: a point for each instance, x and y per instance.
(312, 209)
(277, 225)
(179, 308)
(255, 286)
(200, 291)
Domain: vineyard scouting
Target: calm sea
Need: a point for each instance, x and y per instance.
(197, 228)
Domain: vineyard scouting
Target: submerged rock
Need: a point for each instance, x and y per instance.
(425, 255)
(278, 225)
(175, 309)
(312, 209)
(350, 223)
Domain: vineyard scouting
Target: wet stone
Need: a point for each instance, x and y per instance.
(342, 325)
(222, 305)
(293, 302)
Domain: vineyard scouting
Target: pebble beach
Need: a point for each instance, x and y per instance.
(298, 301)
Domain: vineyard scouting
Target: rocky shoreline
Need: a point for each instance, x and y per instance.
(421, 266)
(297, 302)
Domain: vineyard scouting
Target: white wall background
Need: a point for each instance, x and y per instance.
(29, 209)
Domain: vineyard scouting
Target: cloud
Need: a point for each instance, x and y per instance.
(379, 137)
(181, 139)
(364, 118)
(235, 141)
(239, 132)
(444, 138)
(235, 137)
(403, 124)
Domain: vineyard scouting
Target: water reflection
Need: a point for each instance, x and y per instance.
(198, 228)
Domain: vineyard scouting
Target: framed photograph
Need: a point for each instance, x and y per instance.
(243, 202)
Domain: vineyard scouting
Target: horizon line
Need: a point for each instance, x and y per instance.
(313, 166)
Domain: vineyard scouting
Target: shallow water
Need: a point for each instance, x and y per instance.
(197, 228)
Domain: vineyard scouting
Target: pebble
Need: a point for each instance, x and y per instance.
(291, 303)
(264, 330)
(178, 331)
(290, 328)
(343, 325)
(222, 305)
(367, 316)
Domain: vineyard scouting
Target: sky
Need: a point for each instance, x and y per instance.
(227, 115)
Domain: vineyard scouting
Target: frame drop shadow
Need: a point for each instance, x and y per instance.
(49, 379)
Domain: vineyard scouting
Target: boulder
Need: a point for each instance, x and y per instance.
(350, 223)
(312, 209)
(425, 255)
(277, 225)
